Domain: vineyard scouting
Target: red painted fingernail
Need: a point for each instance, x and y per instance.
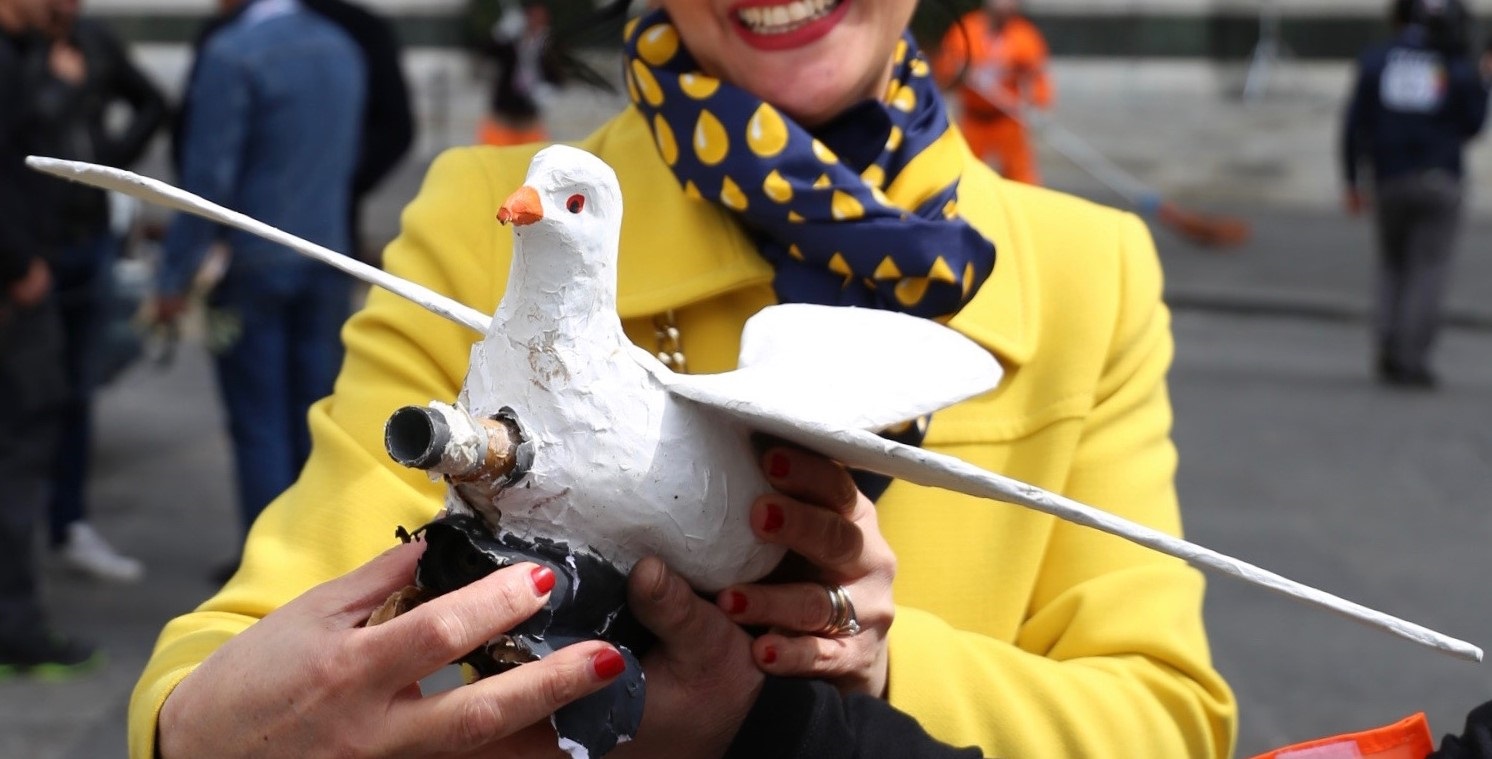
(543, 579)
(608, 664)
(773, 522)
(769, 655)
(779, 466)
(735, 602)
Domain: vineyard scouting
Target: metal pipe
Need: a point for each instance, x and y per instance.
(446, 440)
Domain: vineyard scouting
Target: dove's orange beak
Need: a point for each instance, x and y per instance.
(522, 207)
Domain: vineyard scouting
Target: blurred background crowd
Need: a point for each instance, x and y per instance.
(1308, 169)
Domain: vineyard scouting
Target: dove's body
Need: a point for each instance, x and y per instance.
(621, 467)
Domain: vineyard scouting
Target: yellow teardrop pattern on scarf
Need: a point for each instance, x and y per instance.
(919, 67)
(794, 217)
(668, 147)
(968, 278)
(942, 272)
(893, 141)
(839, 266)
(698, 86)
(690, 191)
(710, 141)
(632, 86)
(766, 133)
(910, 291)
(630, 27)
(905, 99)
(732, 197)
(901, 50)
(777, 188)
(658, 44)
(822, 182)
(795, 252)
(647, 84)
(845, 208)
(887, 269)
(823, 153)
(874, 175)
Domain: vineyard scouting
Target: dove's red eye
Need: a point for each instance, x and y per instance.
(575, 203)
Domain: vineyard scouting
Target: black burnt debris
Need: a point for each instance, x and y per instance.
(588, 602)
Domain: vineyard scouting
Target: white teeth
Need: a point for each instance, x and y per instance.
(781, 19)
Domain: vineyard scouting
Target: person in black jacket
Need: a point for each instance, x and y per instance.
(99, 76)
(30, 351)
(521, 45)
(1417, 100)
(388, 119)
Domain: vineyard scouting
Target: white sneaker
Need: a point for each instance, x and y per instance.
(86, 551)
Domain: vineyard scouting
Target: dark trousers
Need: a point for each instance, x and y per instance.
(31, 391)
(1418, 217)
(281, 353)
(82, 277)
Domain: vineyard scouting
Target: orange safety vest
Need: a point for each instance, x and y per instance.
(1409, 738)
(1007, 64)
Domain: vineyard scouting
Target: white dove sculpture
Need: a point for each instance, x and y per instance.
(619, 464)
(688, 429)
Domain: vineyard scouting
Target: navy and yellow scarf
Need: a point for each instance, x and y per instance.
(860, 213)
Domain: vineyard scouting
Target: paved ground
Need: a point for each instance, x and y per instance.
(1291, 458)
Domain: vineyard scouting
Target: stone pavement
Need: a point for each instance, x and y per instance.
(1291, 457)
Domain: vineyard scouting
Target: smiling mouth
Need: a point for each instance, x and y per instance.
(769, 20)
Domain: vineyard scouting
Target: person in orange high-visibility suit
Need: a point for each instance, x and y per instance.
(1002, 57)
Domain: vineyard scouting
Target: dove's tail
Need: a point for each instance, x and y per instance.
(156, 191)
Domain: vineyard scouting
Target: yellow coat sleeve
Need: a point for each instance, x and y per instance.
(1029, 636)
(350, 497)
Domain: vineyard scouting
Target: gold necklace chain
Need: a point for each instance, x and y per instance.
(670, 341)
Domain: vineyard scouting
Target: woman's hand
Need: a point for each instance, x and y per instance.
(310, 680)
(819, 515)
(701, 682)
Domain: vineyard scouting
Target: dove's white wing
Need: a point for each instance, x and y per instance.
(866, 450)
(156, 191)
(856, 368)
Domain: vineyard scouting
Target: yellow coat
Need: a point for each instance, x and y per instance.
(1015, 631)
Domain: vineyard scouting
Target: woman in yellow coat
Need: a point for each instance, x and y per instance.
(991, 625)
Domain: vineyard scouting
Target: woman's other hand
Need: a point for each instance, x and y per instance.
(701, 679)
(310, 680)
(819, 515)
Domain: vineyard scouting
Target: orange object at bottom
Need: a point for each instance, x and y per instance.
(1409, 738)
(491, 131)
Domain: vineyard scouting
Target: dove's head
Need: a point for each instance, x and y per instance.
(570, 200)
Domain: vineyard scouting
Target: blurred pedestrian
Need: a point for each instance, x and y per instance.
(272, 128)
(519, 46)
(388, 118)
(87, 57)
(997, 60)
(1418, 99)
(388, 128)
(31, 376)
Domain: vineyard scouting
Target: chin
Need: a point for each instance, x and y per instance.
(818, 96)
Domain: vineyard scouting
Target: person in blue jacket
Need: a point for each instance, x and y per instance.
(272, 126)
(1417, 100)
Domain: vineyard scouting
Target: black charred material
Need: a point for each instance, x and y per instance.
(588, 602)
